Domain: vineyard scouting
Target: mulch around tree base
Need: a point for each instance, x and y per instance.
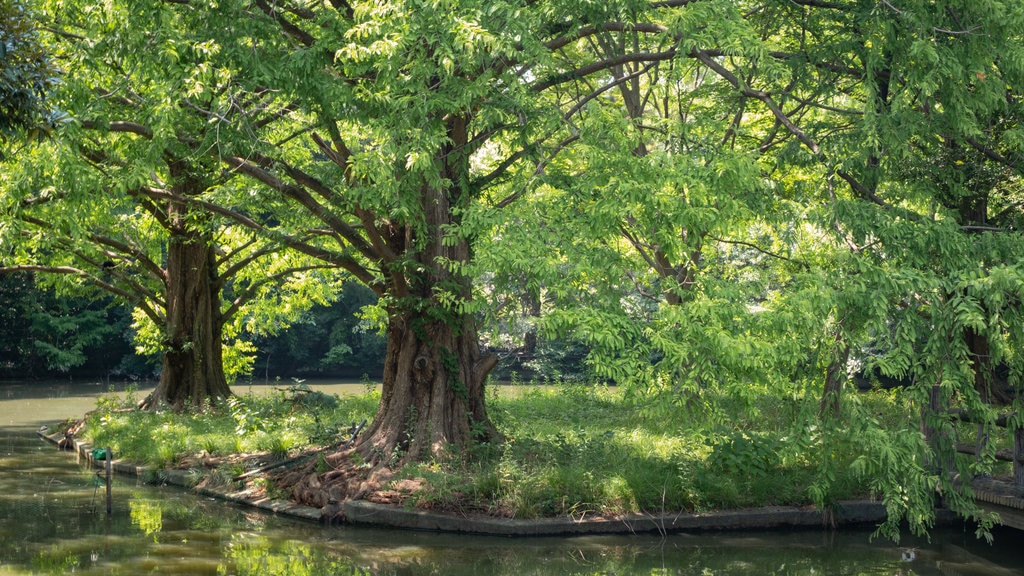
(384, 513)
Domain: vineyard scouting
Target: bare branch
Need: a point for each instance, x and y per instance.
(603, 65)
(764, 251)
(120, 126)
(340, 260)
(991, 154)
(290, 29)
(299, 194)
(764, 97)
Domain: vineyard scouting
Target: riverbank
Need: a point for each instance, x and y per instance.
(859, 513)
(590, 458)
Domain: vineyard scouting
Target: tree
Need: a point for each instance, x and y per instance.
(423, 130)
(400, 98)
(26, 74)
(653, 149)
(99, 205)
(831, 102)
(42, 335)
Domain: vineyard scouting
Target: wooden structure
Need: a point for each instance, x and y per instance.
(1016, 455)
(994, 495)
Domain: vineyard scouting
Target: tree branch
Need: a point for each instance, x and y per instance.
(251, 290)
(298, 193)
(603, 65)
(343, 261)
(120, 126)
(764, 97)
(71, 270)
(775, 255)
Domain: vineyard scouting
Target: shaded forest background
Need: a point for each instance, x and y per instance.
(46, 336)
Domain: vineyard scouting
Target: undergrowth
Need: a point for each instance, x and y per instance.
(287, 420)
(568, 450)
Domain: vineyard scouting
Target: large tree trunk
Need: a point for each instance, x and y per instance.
(192, 373)
(433, 393)
(433, 386)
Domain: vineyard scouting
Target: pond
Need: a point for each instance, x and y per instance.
(53, 521)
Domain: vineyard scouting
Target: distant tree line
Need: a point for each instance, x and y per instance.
(47, 336)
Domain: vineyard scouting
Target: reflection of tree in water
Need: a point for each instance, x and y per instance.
(249, 554)
(261, 556)
(147, 515)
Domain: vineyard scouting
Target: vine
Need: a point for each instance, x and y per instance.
(450, 362)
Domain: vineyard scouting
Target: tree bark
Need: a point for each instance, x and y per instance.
(192, 372)
(432, 401)
(432, 398)
(835, 375)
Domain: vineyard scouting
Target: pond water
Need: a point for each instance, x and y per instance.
(53, 521)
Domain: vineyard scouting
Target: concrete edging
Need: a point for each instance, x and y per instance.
(849, 513)
(361, 512)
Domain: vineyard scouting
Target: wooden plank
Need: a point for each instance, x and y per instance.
(1003, 455)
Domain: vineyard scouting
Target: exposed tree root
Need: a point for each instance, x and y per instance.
(326, 482)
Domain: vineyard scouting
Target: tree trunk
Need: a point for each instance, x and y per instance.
(192, 373)
(835, 375)
(433, 393)
(432, 399)
(533, 309)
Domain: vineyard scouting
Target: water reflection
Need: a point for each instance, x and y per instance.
(53, 521)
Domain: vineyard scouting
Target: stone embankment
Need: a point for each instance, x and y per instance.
(858, 513)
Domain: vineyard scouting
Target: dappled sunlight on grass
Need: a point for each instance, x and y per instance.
(569, 450)
(275, 423)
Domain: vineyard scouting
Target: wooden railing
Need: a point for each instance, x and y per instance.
(1016, 455)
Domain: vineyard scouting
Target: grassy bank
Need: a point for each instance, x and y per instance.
(569, 450)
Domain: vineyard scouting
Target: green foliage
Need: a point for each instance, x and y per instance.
(723, 207)
(330, 339)
(257, 555)
(582, 450)
(27, 74)
(276, 423)
(42, 334)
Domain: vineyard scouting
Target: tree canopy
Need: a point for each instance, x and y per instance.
(716, 198)
(26, 74)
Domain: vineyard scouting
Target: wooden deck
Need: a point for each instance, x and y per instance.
(1002, 497)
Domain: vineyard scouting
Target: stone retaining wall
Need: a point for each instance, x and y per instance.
(859, 513)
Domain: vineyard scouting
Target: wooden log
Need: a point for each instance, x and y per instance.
(1003, 455)
(963, 416)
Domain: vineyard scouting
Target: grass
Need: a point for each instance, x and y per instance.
(568, 450)
(582, 450)
(279, 424)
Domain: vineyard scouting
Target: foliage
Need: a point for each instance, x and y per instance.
(256, 555)
(198, 285)
(325, 340)
(576, 450)
(42, 334)
(273, 423)
(581, 451)
(27, 74)
(719, 204)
